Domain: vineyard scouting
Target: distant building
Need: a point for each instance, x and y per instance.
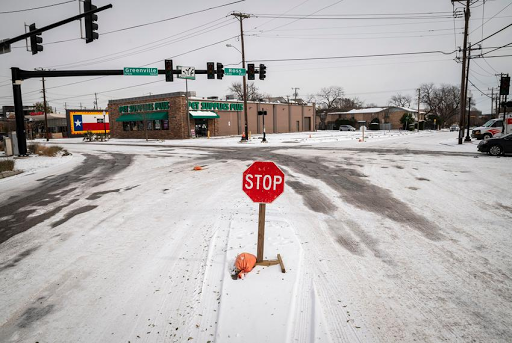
(167, 117)
(386, 115)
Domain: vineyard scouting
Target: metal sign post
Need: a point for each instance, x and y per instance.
(263, 182)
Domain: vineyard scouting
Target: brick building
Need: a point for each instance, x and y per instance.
(386, 115)
(167, 117)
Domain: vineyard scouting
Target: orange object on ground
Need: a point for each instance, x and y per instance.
(245, 262)
(198, 168)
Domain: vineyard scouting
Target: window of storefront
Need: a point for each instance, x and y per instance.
(152, 125)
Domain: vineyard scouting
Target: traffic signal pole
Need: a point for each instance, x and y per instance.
(7, 43)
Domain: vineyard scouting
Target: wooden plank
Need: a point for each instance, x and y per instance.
(267, 263)
(283, 270)
(261, 233)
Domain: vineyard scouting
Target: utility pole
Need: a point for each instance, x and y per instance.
(419, 96)
(295, 93)
(492, 98)
(467, 139)
(462, 106)
(80, 105)
(241, 17)
(95, 101)
(45, 114)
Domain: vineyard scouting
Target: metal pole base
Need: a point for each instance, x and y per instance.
(467, 139)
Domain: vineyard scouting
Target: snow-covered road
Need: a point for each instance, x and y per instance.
(404, 237)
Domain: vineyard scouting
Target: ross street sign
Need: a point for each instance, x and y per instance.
(263, 182)
(140, 71)
(188, 73)
(234, 71)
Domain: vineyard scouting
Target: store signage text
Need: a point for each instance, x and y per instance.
(212, 106)
(152, 106)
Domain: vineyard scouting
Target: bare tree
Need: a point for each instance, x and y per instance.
(253, 93)
(400, 100)
(330, 97)
(347, 104)
(442, 101)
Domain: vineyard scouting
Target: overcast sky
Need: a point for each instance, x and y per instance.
(355, 27)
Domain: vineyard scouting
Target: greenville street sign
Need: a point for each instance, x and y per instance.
(140, 71)
(234, 71)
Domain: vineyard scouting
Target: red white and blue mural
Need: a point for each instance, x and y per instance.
(80, 122)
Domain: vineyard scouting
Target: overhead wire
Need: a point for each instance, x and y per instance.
(491, 18)
(303, 17)
(354, 56)
(36, 8)
(172, 18)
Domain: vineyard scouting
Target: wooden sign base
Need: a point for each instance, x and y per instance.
(269, 263)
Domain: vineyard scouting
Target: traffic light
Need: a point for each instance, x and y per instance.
(210, 70)
(505, 85)
(90, 22)
(168, 71)
(220, 71)
(263, 72)
(35, 40)
(250, 71)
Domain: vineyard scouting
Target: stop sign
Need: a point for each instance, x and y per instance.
(263, 182)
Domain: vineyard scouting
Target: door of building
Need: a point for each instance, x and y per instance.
(307, 124)
(201, 127)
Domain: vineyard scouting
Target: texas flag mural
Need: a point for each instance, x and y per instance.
(83, 121)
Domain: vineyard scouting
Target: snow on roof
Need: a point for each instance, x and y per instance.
(367, 110)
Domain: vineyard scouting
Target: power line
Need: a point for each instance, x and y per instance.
(135, 50)
(172, 18)
(479, 89)
(303, 17)
(355, 56)
(37, 8)
(491, 18)
(480, 41)
(348, 38)
(501, 47)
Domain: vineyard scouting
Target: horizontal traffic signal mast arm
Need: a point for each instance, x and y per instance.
(20, 74)
(52, 26)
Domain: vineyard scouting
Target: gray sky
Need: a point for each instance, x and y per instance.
(373, 80)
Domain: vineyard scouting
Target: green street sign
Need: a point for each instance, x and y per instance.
(234, 71)
(140, 71)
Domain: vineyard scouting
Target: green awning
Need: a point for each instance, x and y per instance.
(203, 115)
(143, 116)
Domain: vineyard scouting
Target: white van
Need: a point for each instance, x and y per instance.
(492, 128)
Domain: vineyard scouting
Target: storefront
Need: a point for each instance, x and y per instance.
(167, 116)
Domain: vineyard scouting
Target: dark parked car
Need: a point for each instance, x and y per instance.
(496, 146)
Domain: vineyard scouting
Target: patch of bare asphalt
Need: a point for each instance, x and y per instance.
(312, 197)
(97, 195)
(73, 213)
(16, 259)
(351, 185)
(23, 211)
(33, 314)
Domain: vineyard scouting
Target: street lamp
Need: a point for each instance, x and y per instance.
(234, 47)
(470, 95)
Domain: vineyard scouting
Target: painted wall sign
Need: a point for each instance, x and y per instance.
(82, 121)
(215, 106)
(152, 106)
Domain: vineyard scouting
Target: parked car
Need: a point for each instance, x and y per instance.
(454, 128)
(496, 146)
(347, 128)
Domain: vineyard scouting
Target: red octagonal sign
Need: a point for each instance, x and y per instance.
(263, 182)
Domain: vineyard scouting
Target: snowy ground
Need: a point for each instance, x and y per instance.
(404, 237)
